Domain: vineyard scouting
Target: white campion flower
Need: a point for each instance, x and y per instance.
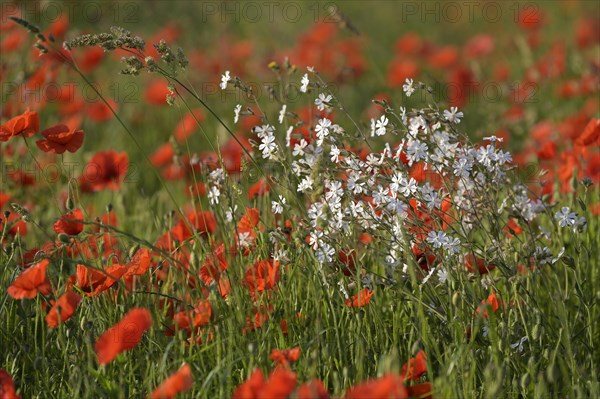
(437, 239)
(380, 196)
(417, 123)
(314, 239)
(565, 217)
(322, 130)
(493, 139)
(452, 245)
(213, 195)
(230, 213)
(244, 239)
(282, 113)
(372, 127)
(453, 116)
(416, 151)
(325, 253)
(305, 184)
(225, 78)
(304, 83)
(519, 344)
(264, 130)
(299, 148)
(334, 153)
(462, 168)
(236, 113)
(408, 87)
(442, 275)
(277, 206)
(397, 206)
(217, 175)
(428, 276)
(354, 184)
(334, 189)
(380, 126)
(322, 102)
(403, 116)
(268, 146)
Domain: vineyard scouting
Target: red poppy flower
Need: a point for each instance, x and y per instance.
(400, 70)
(473, 263)
(260, 188)
(281, 384)
(389, 386)
(251, 388)
(124, 335)
(214, 265)
(70, 224)
(284, 357)
(420, 391)
(409, 43)
(312, 390)
(188, 124)
(180, 381)
(200, 316)
(491, 302)
(25, 125)
(263, 275)
(361, 299)
(415, 367)
(139, 263)
(4, 199)
(444, 57)
(91, 58)
(99, 112)
(348, 260)
(17, 225)
(13, 40)
(106, 170)
(31, 281)
(59, 139)
(63, 309)
(261, 315)
(548, 151)
(249, 221)
(93, 281)
(156, 93)
(163, 155)
(590, 134)
(203, 223)
(7, 386)
(479, 46)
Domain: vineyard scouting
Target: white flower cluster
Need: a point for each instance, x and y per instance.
(429, 188)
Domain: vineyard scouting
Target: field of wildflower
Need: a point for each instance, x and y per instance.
(350, 199)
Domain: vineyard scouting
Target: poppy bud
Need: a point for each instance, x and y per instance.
(133, 250)
(416, 347)
(550, 373)
(64, 238)
(525, 381)
(70, 204)
(455, 298)
(535, 332)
